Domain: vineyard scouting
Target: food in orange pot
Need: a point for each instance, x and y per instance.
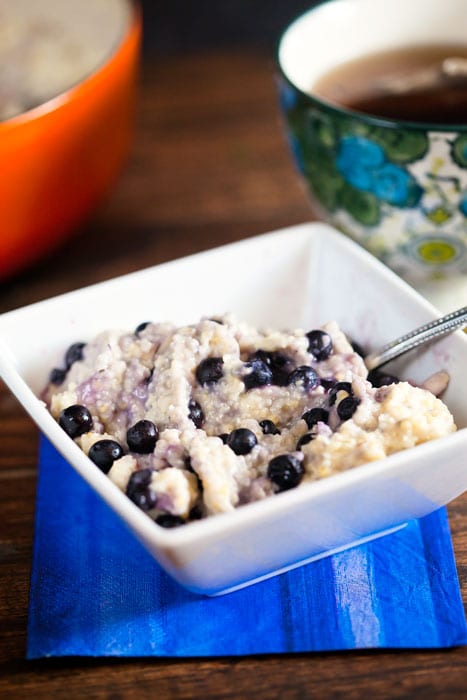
(59, 158)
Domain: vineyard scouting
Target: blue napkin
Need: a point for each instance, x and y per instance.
(96, 592)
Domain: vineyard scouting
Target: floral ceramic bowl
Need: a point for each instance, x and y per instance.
(398, 188)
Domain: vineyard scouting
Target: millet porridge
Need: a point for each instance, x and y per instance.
(197, 420)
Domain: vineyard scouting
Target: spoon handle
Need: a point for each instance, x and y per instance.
(409, 341)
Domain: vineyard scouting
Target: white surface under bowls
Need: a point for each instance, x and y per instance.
(298, 277)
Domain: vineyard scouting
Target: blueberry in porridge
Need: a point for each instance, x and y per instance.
(197, 420)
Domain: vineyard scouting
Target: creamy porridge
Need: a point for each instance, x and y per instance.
(200, 419)
(46, 46)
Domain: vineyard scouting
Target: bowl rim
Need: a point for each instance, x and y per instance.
(311, 100)
(130, 36)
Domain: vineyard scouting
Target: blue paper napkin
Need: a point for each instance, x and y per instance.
(96, 592)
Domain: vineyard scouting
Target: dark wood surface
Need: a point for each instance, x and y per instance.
(209, 165)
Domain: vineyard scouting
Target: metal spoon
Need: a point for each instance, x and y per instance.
(452, 70)
(409, 341)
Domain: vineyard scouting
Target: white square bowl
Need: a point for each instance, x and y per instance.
(298, 277)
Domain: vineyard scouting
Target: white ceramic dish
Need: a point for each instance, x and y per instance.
(301, 276)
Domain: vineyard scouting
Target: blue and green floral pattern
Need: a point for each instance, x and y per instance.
(364, 165)
(400, 191)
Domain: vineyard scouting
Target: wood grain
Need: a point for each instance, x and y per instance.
(209, 165)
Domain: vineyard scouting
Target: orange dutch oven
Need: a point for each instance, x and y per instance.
(59, 159)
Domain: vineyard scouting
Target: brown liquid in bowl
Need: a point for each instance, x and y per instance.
(407, 84)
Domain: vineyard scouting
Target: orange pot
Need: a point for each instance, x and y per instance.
(58, 160)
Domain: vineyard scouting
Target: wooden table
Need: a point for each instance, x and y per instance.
(209, 165)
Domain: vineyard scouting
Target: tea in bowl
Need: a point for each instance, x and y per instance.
(375, 102)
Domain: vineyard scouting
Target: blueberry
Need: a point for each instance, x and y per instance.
(104, 453)
(328, 384)
(378, 378)
(285, 471)
(140, 327)
(258, 374)
(304, 440)
(315, 415)
(139, 491)
(75, 420)
(196, 513)
(272, 359)
(319, 344)
(168, 520)
(278, 363)
(210, 370)
(242, 441)
(347, 407)
(57, 376)
(304, 375)
(142, 437)
(73, 354)
(269, 428)
(339, 386)
(224, 437)
(195, 413)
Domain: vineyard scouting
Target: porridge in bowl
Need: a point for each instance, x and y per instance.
(47, 46)
(197, 420)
